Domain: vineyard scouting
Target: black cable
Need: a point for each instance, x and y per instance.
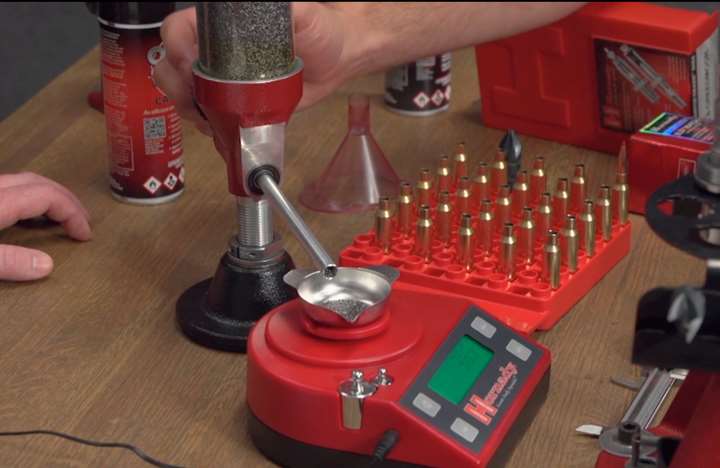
(132, 448)
(384, 446)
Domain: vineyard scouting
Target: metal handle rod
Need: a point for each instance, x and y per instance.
(318, 253)
(647, 402)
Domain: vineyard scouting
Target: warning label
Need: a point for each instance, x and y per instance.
(170, 181)
(152, 185)
(421, 100)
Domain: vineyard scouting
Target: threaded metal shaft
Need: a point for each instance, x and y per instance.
(255, 227)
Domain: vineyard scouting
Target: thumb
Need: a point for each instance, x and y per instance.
(21, 264)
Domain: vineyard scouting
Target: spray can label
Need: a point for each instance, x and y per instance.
(144, 132)
(419, 88)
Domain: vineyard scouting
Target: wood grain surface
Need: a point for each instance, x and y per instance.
(93, 350)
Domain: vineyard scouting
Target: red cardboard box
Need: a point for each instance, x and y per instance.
(662, 151)
(597, 76)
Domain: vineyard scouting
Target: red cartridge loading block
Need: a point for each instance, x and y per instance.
(525, 259)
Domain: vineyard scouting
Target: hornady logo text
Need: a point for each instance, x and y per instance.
(483, 409)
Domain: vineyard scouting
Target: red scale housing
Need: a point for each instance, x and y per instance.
(293, 378)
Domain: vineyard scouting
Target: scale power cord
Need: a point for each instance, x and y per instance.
(384, 446)
(142, 455)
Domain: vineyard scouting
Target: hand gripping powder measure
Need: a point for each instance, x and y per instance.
(144, 131)
(419, 88)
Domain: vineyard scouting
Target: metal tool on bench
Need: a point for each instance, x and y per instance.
(680, 327)
(640, 414)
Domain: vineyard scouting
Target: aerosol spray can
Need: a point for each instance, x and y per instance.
(420, 88)
(144, 132)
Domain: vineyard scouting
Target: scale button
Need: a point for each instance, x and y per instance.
(465, 430)
(426, 404)
(518, 349)
(483, 327)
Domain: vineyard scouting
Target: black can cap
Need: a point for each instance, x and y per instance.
(134, 12)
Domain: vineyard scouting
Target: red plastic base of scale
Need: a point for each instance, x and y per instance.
(293, 377)
(525, 304)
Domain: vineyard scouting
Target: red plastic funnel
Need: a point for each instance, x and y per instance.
(359, 174)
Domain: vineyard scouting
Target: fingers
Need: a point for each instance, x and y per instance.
(179, 35)
(304, 15)
(35, 199)
(178, 88)
(174, 74)
(320, 39)
(22, 178)
(313, 93)
(21, 264)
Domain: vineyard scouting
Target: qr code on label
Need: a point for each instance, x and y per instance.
(154, 127)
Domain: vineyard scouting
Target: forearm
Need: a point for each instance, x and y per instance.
(389, 34)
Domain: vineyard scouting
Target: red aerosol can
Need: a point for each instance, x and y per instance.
(144, 131)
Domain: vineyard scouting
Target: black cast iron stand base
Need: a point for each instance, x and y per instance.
(219, 312)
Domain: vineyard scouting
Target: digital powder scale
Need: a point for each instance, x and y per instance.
(451, 385)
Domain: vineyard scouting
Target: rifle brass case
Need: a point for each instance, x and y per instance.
(383, 225)
(485, 228)
(481, 185)
(520, 194)
(544, 216)
(444, 177)
(423, 236)
(603, 213)
(503, 207)
(463, 196)
(460, 162)
(526, 237)
(405, 208)
(424, 188)
(587, 229)
(560, 203)
(551, 260)
(538, 180)
(443, 218)
(507, 252)
(569, 244)
(578, 189)
(498, 173)
(466, 242)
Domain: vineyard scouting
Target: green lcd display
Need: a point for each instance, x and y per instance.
(456, 375)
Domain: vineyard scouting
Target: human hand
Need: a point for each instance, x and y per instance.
(27, 195)
(338, 41)
(322, 39)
